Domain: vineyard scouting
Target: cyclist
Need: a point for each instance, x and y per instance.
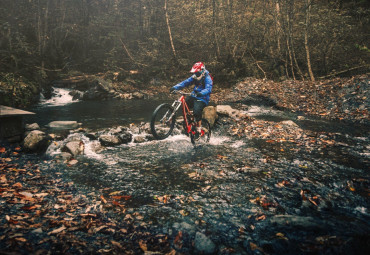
(199, 98)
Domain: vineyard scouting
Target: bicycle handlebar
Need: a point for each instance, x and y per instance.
(181, 93)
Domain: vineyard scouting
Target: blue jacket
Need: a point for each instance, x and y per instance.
(204, 86)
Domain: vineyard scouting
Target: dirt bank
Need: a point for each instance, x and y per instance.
(345, 99)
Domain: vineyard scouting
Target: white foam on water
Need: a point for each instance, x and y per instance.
(62, 97)
(361, 209)
(218, 140)
(237, 144)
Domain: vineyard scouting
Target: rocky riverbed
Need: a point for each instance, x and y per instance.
(274, 184)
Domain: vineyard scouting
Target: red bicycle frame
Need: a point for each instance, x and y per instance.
(186, 112)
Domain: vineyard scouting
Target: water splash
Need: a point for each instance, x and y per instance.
(60, 97)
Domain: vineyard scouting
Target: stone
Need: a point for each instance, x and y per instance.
(63, 124)
(139, 139)
(33, 126)
(125, 137)
(138, 95)
(226, 110)
(36, 141)
(210, 114)
(203, 244)
(74, 147)
(109, 140)
(297, 222)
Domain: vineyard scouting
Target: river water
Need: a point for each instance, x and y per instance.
(246, 195)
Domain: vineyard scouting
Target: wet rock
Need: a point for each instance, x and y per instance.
(110, 140)
(76, 95)
(63, 124)
(296, 222)
(138, 95)
(210, 114)
(226, 110)
(203, 244)
(125, 137)
(36, 141)
(185, 227)
(91, 136)
(31, 127)
(139, 139)
(74, 147)
(122, 133)
(102, 85)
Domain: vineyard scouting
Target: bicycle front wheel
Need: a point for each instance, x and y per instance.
(205, 134)
(162, 121)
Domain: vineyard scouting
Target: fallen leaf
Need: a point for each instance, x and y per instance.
(184, 213)
(143, 245)
(3, 179)
(103, 199)
(29, 208)
(121, 197)
(117, 244)
(255, 247)
(17, 185)
(58, 230)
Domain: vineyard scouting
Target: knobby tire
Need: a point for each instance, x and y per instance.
(160, 126)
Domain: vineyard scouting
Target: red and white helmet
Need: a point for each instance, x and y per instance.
(197, 67)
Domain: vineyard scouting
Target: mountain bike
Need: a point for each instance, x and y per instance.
(164, 118)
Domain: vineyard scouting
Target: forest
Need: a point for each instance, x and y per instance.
(42, 40)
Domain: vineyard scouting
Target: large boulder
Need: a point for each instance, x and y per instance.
(36, 141)
(203, 244)
(115, 136)
(110, 140)
(74, 147)
(63, 124)
(210, 114)
(31, 127)
(226, 110)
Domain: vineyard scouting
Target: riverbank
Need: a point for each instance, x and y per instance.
(344, 99)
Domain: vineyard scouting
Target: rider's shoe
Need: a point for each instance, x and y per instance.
(198, 133)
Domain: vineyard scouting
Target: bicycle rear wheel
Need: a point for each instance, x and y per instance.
(162, 121)
(205, 134)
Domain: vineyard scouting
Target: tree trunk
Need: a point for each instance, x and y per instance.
(169, 29)
(308, 12)
(214, 23)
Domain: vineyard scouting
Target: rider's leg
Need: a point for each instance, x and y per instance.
(198, 110)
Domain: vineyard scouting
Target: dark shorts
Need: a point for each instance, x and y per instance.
(196, 105)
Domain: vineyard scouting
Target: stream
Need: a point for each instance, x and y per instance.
(241, 195)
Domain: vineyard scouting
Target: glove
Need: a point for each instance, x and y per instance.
(172, 90)
(198, 94)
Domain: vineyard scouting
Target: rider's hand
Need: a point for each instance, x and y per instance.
(198, 94)
(172, 90)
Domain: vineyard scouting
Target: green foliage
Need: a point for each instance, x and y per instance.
(42, 39)
(17, 91)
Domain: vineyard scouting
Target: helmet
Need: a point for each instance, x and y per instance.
(197, 67)
(198, 71)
